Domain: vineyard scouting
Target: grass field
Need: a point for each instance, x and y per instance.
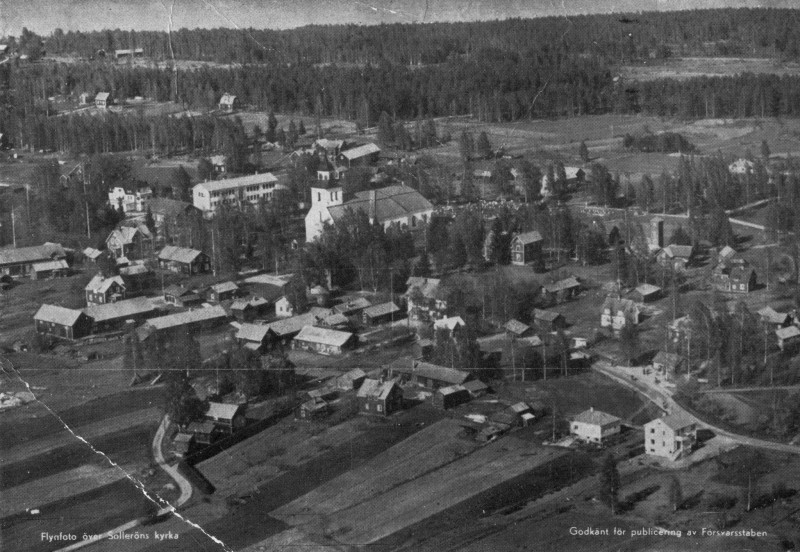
(691, 67)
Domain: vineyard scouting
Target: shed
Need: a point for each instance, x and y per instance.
(380, 313)
(515, 328)
(549, 320)
(476, 388)
(222, 291)
(181, 296)
(313, 408)
(62, 322)
(228, 417)
(379, 397)
(788, 338)
(451, 396)
(324, 341)
(351, 380)
(50, 269)
(646, 293)
(247, 310)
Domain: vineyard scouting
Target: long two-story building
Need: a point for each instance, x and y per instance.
(235, 192)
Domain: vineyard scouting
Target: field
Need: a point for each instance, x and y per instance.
(691, 67)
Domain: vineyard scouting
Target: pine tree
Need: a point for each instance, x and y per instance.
(609, 483)
(385, 129)
(675, 494)
(301, 129)
(583, 151)
(483, 146)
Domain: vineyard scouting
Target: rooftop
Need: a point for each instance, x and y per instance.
(324, 336)
(376, 389)
(57, 315)
(361, 151)
(595, 417)
(187, 317)
(178, 254)
(529, 237)
(119, 309)
(238, 182)
(391, 202)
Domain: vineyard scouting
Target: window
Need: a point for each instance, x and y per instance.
(652, 430)
(380, 408)
(652, 441)
(319, 196)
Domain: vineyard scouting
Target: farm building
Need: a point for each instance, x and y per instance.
(734, 277)
(476, 388)
(378, 314)
(351, 380)
(137, 276)
(549, 321)
(517, 329)
(56, 268)
(426, 374)
(668, 364)
(334, 321)
(617, 313)
(562, 290)
(197, 319)
(360, 155)
(771, 317)
(222, 291)
(379, 397)
(324, 341)
(314, 408)
(182, 444)
(670, 436)
(181, 296)
(183, 260)
(423, 348)
(284, 330)
(62, 322)
(19, 261)
(101, 290)
(451, 396)
(227, 417)
(396, 205)
(788, 338)
(422, 298)
(594, 426)
(112, 316)
(526, 248)
(679, 257)
(246, 310)
(645, 293)
(253, 336)
(204, 432)
(228, 102)
(102, 100)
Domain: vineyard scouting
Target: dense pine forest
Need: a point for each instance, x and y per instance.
(495, 71)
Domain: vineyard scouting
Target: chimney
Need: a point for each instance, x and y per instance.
(591, 409)
(372, 198)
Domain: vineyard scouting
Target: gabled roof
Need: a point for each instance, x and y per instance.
(252, 302)
(727, 252)
(223, 287)
(427, 286)
(516, 327)
(788, 332)
(222, 411)
(32, 254)
(237, 182)
(566, 283)
(324, 336)
(678, 251)
(126, 234)
(391, 202)
(56, 264)
(178, 291)
(376, 389)
(616, 305)
(771, 316)
(277, 281)
(178, 254)
(227, 99)
(381, 309)
(292, 325)
(430, 371)
(360, 151)
(647, 289)
(676, 421)
(102, 96)
(120, 309)
(337, 319)
(520, 407)
(58, 315)
(450, 323)
(359, 303)
(327, 144)
(187, 317)
(475, 386)
(528, 237)
(165, 206)
(549, 316)
(101, 284)
(92, 253)
(353, 375)
(252, 332)
(595, 417)
(451, 390)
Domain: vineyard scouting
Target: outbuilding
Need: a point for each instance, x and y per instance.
(61, 322)
(324, 341)
(526, 248)
(380, 313)
(451, 396)
(379, 397)
(228, 417)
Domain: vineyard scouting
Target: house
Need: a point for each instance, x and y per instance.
(182, 444)
(526, 248)
(101, 290)
(254, 337)
(788, 338)
(131, 242)
(397, 205)
(129, 200)
(204, 433)
(741, 167)
(426, 374)
(452, 325)
(168, 212)
(284, 330)
(562, 290)
(181, 296)
(62, 322)
(137, 276)
(670, 436)
(668, 364)
(92, 254)
(366, 154)
(451, 396)
(197, 319)
(677, 256)
(183, 260)
(351, 380)
(379, 397)
(335, 321)
(594, 426)
(476, 388)
(726, 254)
(286, 307)
(109, 317)
(228, 102)
(618, 313)
(324, 341)
(516, 329)
(734, 277)
(771, 317)
(222, 291)
(319, 295)
(314, 408)
(548, 320)
(423, 348)
(422, 298)
(102, 100)
(227, 417)
(246, 310)
(378, 314)
(645, 293)
(56, 268)
(238, 191)
(19, 261)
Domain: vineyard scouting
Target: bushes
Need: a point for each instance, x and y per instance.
(665, 142)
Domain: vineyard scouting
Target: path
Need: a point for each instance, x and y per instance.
(752, 389)
(663, 398)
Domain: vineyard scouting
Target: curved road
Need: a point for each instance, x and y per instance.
(665, 401)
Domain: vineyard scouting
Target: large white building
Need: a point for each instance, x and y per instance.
(130, 200)
(671, 436)
(393, 205)
(250, 189)
(594, 426)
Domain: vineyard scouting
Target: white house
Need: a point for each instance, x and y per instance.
(250, 189)
(131, 201)
(618, 313)
(670, 436)
(594, 426)
(393, 205)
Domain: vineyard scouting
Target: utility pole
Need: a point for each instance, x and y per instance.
(13, 228)
(86, 201)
